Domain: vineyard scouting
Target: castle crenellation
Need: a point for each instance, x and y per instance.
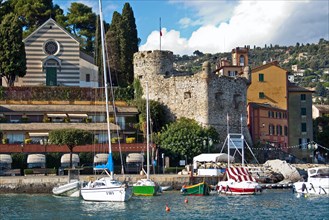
(205, 96)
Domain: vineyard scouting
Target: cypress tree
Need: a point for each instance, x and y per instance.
(113, 39)
(122, 43)
(98, 51)
(129, 45)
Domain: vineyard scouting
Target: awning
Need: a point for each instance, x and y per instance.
(134, 158)
(78, 115)
(129, 132)
(32, 134)
(5, 158)
(57, 115)
(66, 158)
(221, 157)
(36, 158)
(100, 158)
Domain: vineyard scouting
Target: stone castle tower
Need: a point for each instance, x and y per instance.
(205, 96)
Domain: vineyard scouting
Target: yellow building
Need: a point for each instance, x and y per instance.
(269, 85)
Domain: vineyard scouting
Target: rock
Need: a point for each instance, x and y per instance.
(280, 166)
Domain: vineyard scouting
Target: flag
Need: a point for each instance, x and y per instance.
(160, 33)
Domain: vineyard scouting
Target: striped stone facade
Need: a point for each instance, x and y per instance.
(53, 58)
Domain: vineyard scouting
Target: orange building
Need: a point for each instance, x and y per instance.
(268, 125)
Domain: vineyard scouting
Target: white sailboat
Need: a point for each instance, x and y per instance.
(146, 187)
(106, 189)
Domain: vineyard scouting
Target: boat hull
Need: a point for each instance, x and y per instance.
(166, 188)
(317, 182)
(239, 188)
(200, 189)
(145, 190)
(309, 188)
(70, 189)
(107, 194)
(106, 190)
(146, 187)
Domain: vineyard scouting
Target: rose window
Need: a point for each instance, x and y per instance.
(51, 47)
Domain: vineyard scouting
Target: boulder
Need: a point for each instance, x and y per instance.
(281, 166)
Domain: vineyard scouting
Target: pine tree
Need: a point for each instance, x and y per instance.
(82, 23)
(32, 13)
(12, 51)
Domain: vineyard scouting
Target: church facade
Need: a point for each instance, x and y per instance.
(53, 58)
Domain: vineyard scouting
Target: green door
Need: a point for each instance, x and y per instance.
(51, 76)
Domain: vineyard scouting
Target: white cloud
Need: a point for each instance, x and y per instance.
(185, 22)
(252, 23)
(170, 40)
(208, 12)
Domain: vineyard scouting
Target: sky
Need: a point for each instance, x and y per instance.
(213, 26)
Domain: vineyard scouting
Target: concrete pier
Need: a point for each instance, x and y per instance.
(45, 184)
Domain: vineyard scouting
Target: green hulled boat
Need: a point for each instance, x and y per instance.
(146, 187)
(200, 189)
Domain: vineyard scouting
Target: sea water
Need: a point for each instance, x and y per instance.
(272, 204)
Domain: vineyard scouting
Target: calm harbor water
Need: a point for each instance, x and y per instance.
(272, 204)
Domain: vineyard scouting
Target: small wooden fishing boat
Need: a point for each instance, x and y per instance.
(200, 189)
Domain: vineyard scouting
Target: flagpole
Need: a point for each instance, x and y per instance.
(241, 124)
(228, 125)
(160, 34)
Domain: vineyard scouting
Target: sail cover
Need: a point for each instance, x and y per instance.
(109, 165)
(239, 174)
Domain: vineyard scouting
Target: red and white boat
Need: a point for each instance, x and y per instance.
(238, 181)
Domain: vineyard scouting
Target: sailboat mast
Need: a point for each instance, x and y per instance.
(105, 82)
(147, 132)
(228, 141)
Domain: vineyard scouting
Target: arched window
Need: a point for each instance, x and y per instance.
(242, 60)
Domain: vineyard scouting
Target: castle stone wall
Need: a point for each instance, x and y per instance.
(204, 96)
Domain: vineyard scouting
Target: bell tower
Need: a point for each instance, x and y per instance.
(240, 56)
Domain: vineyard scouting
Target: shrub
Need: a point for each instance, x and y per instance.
(46, 119)
(28, 141)
(88, 120)
(28, 171)
(3, 120)
(52, 171)
(24, 119)
(115, 139)
(5, 140)
(130, 140)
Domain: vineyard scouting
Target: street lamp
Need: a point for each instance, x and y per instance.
(208, 142)
(163, 167)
